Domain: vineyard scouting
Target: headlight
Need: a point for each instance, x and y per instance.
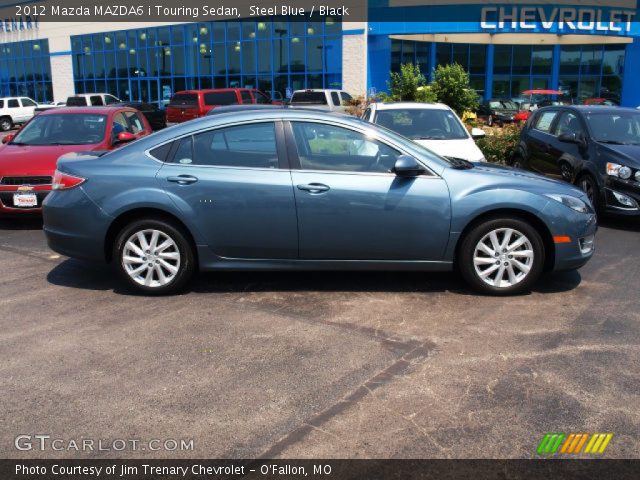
(638, 176)
(571, 202)
(616, 170)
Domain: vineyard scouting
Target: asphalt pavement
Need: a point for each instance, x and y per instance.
(324, 365)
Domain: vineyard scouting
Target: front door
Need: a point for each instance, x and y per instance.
(351, 207)
(234, 184)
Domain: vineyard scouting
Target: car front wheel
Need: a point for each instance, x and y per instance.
(154, 257)
(502, 256)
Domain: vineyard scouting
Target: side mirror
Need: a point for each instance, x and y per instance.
(407, 166)
(568, 138)
(8, 138)
(124, 137)
(477, 133)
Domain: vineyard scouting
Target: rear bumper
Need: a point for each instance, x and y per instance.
(75, 226)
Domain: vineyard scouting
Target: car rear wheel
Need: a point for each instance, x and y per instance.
(154, 257)
(6, 124)
(502, 256)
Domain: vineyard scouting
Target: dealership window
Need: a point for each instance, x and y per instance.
(150, 64)
(517, 68)
(25, 70)
(592, 71)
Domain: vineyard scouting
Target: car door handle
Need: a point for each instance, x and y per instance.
(314, 187)
(183, 179)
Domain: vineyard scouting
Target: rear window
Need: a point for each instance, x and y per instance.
(220, 98)
(309, 98)
(76, 102)
(181, 99)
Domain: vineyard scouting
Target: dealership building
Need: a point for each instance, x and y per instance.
(590, 49)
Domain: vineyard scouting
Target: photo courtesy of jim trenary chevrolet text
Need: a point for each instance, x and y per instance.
(333, 239)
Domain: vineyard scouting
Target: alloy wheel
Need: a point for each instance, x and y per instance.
(151, 258)
(503, 257)
(5, 125)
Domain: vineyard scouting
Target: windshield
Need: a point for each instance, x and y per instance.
(63, 129)
(423, 123)
(621, 127)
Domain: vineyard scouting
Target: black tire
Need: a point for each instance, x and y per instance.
(518, 162)
(588, 185)
(6, 124)
(490, 120)
(467, 250)
(186, 260)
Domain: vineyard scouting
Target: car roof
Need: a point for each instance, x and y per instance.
(100, 109)
(586, 109)
(210, 90)
(318, 90)
(405, 105)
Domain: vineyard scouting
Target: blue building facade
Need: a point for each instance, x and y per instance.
(585, 50)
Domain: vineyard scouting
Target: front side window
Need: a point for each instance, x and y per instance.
(568, 123)
(251, 146)
(328, 147)
(335, 98)
(63, 129)
(27, 102)
(136, 125)
(120, 124)
(423, 124)
(108, 100)
(261, 98)
(246, 96)
(544, 120)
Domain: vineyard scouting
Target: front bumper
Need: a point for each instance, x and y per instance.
(574, 254)
(629, 188)
(6, 199)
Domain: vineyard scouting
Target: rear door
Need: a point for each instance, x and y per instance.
(540, 140)
(234, 183)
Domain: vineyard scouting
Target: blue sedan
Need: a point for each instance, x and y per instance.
(302, 190)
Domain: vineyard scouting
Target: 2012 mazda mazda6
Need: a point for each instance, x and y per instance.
(302, 190)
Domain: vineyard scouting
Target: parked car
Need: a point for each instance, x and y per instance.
(92, 100)
(15, 110)
(190, 104)
(497, 111)
(303, 190)
(594, 147)
(328, 100)
(154, 115)
(433, 125)
(28, 158)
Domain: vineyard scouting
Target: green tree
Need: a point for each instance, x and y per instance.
(409, 85)
(451, 87)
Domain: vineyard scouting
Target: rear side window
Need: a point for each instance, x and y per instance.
(544, 120)
(252, 146)
(162, 152)
(335, 98)
(309, 98)
(13, 103)
(96, 100)
(261, 97)
(221, 98)
(182, 99)
(246, 96)
(1, 103)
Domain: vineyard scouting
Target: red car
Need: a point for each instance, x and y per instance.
(190, 104)
(28, 158)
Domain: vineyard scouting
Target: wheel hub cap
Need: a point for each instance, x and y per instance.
(151, 258)
(503, 257)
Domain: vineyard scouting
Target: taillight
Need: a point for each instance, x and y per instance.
(64, 181)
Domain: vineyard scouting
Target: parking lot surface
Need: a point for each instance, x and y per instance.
(317, 364)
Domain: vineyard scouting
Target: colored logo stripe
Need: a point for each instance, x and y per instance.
(573, 443)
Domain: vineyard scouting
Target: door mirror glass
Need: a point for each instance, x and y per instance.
(477, 133)
(407, 166)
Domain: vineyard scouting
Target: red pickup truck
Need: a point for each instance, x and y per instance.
(190, 104)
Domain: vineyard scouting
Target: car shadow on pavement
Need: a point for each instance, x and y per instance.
(77, 274)
(630, 224)
(28, 223)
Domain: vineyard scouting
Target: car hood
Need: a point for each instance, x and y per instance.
(629, 154)
(464, 148)
(26, 160)
(508, 177)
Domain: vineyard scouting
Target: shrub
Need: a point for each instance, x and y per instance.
(404, 86)
(451, 87)
(500, 146)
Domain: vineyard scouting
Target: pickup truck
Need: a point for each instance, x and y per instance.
(92, 100)
(319, 99)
